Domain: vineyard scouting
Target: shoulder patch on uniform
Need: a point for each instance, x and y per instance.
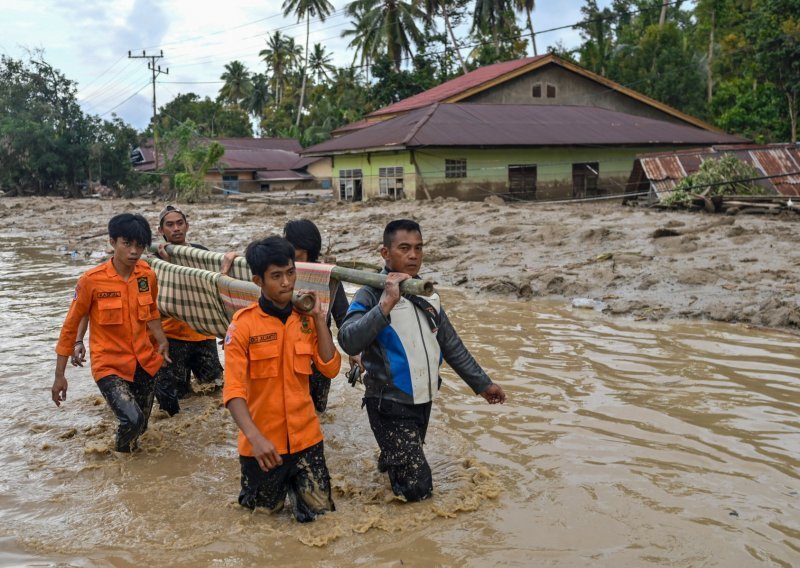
(144, 285)
(229, 333)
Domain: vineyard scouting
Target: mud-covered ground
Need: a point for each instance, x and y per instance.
(743, 268)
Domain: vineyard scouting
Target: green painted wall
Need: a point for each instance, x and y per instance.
(487, 170)
(370, 167)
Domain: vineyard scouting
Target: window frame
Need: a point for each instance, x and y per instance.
(455, 168)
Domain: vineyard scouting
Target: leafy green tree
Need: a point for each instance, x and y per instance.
(306, 9)
(494, 18)
(489, 51)
(259, 97)
(752, 109)
(598, 35)
(449, 10)
(211, 118)
(385, 27)
(663, 66)
(392, 85)
(319, 63)
(47, 143)
(238, 84)
(281, 57)
(774, 33)
(189, 158)
(528, 6)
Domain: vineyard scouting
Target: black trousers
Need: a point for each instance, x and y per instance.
(400, 432)
(172, 382)
(131, 403)
(303, 476)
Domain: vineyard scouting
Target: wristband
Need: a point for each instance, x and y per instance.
(80, 341)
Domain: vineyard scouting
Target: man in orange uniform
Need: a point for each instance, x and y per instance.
(269, 349)
(119, 296)
(191, 352)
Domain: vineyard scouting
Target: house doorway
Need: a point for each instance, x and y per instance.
(585, 178)
(522, 181)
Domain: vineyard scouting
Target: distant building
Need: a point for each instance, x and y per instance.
(659, 173)
(534, 128)
(254, 165)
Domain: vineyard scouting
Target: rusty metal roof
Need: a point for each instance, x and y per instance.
(466, 82)
(493, 125)
(664, 170)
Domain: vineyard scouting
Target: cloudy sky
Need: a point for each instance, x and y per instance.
(89, 40)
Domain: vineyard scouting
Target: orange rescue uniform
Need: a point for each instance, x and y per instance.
(118, 315)
(177, 329)
(268, 364)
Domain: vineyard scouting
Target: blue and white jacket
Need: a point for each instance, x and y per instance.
(401, 354)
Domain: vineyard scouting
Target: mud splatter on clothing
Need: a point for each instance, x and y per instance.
(303, 477)
(400, 432)
(131, 403)
(198, 357)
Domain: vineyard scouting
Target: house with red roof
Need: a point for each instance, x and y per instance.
(534, 128)
(254, 165)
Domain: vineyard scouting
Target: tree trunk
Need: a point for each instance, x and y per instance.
(792, 100)
(453, 39)
(533, 34)
(711, 56)
(663, 18)
(305, 71)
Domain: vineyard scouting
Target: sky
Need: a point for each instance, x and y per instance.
(89, 40)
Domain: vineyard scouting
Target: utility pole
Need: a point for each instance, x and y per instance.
(151, 65)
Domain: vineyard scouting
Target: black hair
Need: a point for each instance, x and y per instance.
(303, 234)
(399, 225)
(262, 253)
(131, 226)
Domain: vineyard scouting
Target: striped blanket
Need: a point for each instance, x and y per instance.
(191, 288)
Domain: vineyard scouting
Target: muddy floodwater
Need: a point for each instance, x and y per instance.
(623, 443)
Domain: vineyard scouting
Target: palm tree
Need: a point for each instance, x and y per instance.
(433, 7)
(385, 26)
(259, 97)
(280, 56)
(306, 9)
(238, 85)
(319, 63)
(491, 16)
(528, 6)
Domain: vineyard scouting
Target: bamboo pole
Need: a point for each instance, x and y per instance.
(415, 286)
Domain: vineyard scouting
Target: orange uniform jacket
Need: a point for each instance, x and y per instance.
(177, 329)
(118, 315)
(268, 364)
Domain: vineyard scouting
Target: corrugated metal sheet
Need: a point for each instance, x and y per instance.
(665, 170)
(493, 125)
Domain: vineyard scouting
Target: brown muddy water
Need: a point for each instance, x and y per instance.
(623, 444)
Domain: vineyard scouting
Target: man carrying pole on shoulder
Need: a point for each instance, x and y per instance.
(402, 340)
(191, 352)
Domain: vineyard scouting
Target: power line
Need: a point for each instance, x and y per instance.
(126, 100)
(86, 85)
